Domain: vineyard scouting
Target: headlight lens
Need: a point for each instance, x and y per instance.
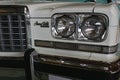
(82, 27)
(65, 26)
(93, 27)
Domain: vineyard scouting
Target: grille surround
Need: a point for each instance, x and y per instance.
(13, 29)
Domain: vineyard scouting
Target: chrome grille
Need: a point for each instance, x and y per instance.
(12, 32)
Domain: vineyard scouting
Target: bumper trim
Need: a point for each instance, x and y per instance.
(74, 72)
(111, 68)
(27, 59)
(69, 67)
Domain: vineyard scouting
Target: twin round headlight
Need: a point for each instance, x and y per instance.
(80, 27)
(65, 26)
(93, 27)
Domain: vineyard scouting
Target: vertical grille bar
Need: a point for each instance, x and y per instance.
(1, 37)
(20, 30)
(10, 34)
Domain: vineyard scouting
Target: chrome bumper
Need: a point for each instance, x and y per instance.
(78, 63)
(78, 68)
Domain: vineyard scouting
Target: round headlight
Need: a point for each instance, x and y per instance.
(93, 27)
(65, 26)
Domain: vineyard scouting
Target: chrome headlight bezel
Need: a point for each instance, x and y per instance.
(65, 26)
(79, 20)
(94, 27)
(54, 29)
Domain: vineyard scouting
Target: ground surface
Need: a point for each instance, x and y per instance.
(19, 74)
(12, 74)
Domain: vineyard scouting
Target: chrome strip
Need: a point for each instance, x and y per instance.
(76, 46)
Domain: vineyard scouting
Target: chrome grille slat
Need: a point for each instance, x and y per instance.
(20, 31)
(1, 37)
(12, 39)
(16, 45)
(13, 27)
(12, 21)
(12, 32)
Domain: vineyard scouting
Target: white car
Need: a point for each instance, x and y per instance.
(75, 39)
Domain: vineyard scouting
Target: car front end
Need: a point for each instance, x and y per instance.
(68, 38)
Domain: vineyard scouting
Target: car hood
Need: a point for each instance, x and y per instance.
(48, 9)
